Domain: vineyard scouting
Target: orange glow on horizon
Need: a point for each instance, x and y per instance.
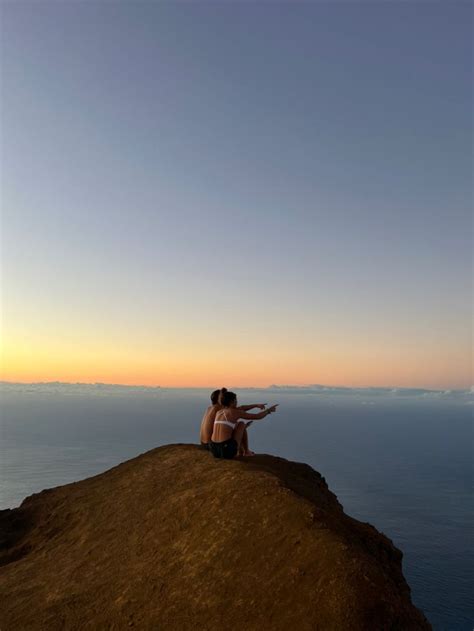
(35, 362)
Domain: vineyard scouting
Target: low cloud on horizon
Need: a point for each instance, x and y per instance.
(311, 389)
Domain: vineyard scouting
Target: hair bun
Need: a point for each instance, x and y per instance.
(223, 390)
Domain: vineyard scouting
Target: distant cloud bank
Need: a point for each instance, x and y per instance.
(51, 387)
(412, 392)
(75, 388)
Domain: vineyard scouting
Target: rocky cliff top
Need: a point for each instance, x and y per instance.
(174, 539)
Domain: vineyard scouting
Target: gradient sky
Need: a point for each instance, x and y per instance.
(237, 193)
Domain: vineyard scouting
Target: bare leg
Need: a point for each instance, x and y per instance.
(244, 445)
(238, 436)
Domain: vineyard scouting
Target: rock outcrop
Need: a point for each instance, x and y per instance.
(174, 539)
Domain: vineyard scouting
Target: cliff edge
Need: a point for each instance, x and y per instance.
(174, 539)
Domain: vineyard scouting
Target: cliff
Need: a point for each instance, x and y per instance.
(174, 539)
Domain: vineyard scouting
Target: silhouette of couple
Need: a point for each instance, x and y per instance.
(224, 425)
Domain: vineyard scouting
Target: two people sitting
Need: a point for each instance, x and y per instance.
(224, 424)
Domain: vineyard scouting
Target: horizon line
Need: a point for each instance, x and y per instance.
(256, 387)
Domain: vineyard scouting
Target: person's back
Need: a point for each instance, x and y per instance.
(207, 423)
(227, 419)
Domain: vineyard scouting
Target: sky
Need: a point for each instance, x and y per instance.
(215, 193)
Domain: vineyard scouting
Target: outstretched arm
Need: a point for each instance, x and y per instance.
(246, 408)
(255, 417)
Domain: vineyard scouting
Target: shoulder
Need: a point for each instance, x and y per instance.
(233, 413)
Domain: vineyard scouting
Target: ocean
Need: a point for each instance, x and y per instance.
(400, 459)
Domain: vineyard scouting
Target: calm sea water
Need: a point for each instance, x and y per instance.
(401, 460)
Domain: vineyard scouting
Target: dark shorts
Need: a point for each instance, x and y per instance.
(228, 449)
(205, 446)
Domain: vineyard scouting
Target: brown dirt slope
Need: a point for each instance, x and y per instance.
(174, 539)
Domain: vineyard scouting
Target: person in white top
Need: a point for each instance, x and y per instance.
(230, 425)
(207, 423)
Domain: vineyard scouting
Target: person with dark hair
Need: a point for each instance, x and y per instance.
(230, 425)
(207, 423)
